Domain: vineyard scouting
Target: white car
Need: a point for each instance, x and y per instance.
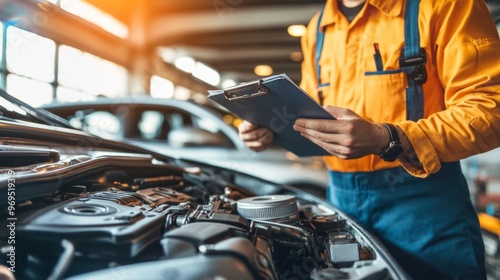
(187, 130)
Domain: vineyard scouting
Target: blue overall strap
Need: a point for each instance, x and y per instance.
(320, 37)
(412, 62)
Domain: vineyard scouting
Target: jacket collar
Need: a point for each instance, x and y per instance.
(332, 13)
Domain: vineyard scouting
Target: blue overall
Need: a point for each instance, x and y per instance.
(428, 225)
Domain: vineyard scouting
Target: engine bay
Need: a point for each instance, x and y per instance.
(183, 223)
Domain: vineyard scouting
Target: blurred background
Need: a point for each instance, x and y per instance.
(72, 50)
(75, 51)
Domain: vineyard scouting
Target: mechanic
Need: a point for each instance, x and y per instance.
(405, 116)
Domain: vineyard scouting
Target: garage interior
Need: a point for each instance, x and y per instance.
(76, 50)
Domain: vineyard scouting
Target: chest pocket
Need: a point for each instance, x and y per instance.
(385, 96)
(391, 94)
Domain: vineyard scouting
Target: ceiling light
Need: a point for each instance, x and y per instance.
(228, 83)
(167, 54)
(296, 30)
(161, 87)
(206, 74)
(296, 56)
(263, 70)
(182, 93)
(199, 98)
(185, 63)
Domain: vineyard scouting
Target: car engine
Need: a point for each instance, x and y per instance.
(186, 223)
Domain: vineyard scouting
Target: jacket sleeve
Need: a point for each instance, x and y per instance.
(466, 58)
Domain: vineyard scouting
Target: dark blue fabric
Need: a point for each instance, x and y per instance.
(414, 98)
(320, 37)
(412, 35)
(414, 92)
(429, 225)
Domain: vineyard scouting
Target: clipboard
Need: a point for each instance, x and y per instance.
(275, 102)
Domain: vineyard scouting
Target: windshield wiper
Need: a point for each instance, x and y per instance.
(41, 115)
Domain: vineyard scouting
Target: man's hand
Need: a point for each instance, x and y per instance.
(255, 137)
(348, 137)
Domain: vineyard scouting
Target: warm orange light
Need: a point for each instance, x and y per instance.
(228, 119)
(263, 70)
(237, 122)
(291, 156)
(296, 56)
(296, 30)
(96, 16)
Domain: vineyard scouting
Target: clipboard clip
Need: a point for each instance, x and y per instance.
(246, 90)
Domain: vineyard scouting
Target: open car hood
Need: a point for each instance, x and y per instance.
(75, 206)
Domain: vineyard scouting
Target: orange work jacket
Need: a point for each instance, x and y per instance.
(461, 95)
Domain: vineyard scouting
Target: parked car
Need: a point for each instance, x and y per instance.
(78, 206)
(185, 129)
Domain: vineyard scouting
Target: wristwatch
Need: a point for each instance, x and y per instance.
(394, 149)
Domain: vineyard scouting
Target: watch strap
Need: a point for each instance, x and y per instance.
(393, 133)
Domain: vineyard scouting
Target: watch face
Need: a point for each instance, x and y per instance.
(392, 152)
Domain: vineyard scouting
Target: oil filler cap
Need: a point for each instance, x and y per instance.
(277, 208)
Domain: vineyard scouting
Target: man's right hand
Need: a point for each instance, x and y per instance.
(255, 137)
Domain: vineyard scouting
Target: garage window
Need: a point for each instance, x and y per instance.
(65, 94)
(30, 91)
(2, 62)
(30, 62)
(28, 70)
(83, 75)
(30, 55)
(1, 44)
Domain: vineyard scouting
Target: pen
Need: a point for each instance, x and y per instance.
(377, 58)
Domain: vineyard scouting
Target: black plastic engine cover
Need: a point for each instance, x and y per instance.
(96, 227)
